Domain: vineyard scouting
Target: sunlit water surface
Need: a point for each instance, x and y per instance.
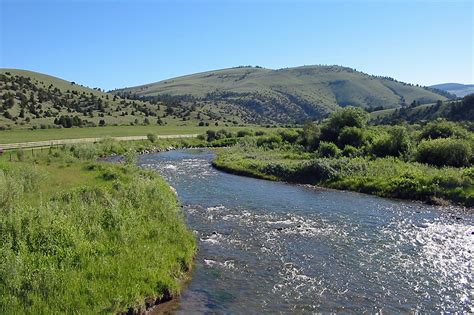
(267, 247)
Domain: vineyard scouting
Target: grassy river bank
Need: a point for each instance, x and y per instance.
(431, 163)
(85, 236)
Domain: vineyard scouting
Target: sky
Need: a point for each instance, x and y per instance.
(112, 44)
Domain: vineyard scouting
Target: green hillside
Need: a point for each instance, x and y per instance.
(461, 110)
(34, 100)
(290, 94)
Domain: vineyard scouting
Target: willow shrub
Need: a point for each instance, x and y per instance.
(445, 152)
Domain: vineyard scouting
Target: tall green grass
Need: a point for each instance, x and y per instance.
(92, 248)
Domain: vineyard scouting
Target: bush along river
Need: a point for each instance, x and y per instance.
(267, 247)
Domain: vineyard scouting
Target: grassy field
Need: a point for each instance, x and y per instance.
(79, 236)
(21, 135)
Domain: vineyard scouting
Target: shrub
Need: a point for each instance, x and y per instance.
(395, 143)
(85, 151)
(271, 141)
(211, 135)
(130, 157)
(310, 136)
(223, 133)
(225, 142)
(350, 151)
(288, 135)
(444, 152)
(328, 149)
(317, 170)
(353, 136)
(243, 133)
(20, 154)
(281, 170)
(201, 137)
(152, 137)
(347, 117)
(441, 129)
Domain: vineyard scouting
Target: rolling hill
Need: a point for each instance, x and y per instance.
(460, 90)
(457, 110)
(35, 100)
(287, 95)
(236, 96)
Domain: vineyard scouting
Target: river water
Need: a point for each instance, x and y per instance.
(269, 247)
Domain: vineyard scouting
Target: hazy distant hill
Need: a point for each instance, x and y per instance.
(290, 94)
(460, 90)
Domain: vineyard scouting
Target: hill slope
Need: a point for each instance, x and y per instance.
(460, 90)
(458, 110)
(291, 94)
(35, 100)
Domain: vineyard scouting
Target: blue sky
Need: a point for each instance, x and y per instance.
(111, 44)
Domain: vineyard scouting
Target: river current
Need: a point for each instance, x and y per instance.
(270, 247)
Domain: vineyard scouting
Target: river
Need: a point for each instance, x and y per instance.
(270, 247)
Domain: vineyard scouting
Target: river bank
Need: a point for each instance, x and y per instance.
(86, 236)
(385, 177)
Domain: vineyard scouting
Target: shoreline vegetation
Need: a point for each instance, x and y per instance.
(431, 163)
(80, 235)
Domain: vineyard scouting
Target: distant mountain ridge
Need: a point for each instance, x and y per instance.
(458, 89)
(290, 94)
